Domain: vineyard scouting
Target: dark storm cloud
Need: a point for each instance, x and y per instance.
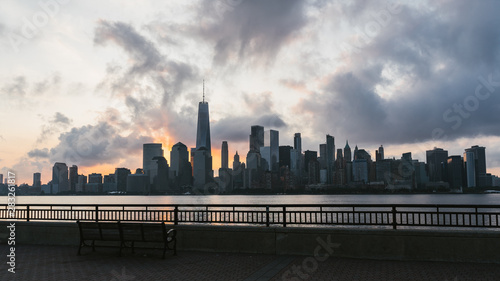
(252, 30)
(443, 54)
(237, 129)
(91, 145)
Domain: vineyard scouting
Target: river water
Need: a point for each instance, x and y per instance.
(473, 199)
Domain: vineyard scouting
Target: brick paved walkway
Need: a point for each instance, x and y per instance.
(35, 262)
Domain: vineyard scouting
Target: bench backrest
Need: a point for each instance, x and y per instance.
(116, 231)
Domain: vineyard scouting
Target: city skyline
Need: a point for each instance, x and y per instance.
(89, 88)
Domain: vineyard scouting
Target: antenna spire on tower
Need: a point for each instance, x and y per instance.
(203, 90)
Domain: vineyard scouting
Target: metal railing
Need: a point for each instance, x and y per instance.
(383, 215)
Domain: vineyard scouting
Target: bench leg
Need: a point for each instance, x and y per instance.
(79, 248)
(121, 247)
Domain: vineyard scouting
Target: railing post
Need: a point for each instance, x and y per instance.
(28, 213)
(394, 222)
(437, 210)
(284, 216)
(96, 213)
(267, 216)
(477, 218)
(176, 215)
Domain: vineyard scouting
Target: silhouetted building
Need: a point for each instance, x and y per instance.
(37, 180)
(284, 155)
(480, 166)
(121, 175)
(379, 154)
(310, 156)
(360, 170)
(339, 162)
(82, 182)
(253, 169)
(421, 177)
(330, 158)
(60, 182)
(109, 183)
(297, 142)
(238, 171)
(95, 178)
(270, 150)
(94, 183)
(161, 179)
(470, 168)
(454, 171)
(150, 166)
(73, 177)
(362, 154)
(224, 156)
(347, 152)
(203, 130)
(202, 160)
(137, 184)
(180, 168)
(202, 168)
(256, 138)
(436, 159)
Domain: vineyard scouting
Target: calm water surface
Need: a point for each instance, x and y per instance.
(480, 199)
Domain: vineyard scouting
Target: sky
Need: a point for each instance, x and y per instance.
(88, 82)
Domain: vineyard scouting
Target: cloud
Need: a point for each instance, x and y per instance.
(96, 145)
(58, 123)
(39, 153)
(237, 128)
(146, 62)
(251, 30)
(416, 76)
(149, 83)
(16, 88)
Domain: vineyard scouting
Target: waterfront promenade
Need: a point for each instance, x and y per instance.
(41, 262)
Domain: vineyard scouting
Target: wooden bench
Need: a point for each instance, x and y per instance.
(127, 234)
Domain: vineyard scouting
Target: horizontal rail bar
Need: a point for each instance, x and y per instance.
(387, 215)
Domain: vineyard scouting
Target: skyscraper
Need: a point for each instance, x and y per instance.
(203, 130)
(37, 180)
(73, 178)
(347, 152)
(202, 160)
(121, 175)
(237, 171)
(161, 180)
(330, 158)
(284, 156)
(150, 166)
(480, 164)
(381, 152)
(470, 168)
(59, 178)
(297, 142)
(180, 167)
(454, 168)
(435, 163)
(256, 138)
(224, 156)
(271, 148)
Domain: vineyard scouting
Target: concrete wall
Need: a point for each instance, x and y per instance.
(374, 244)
